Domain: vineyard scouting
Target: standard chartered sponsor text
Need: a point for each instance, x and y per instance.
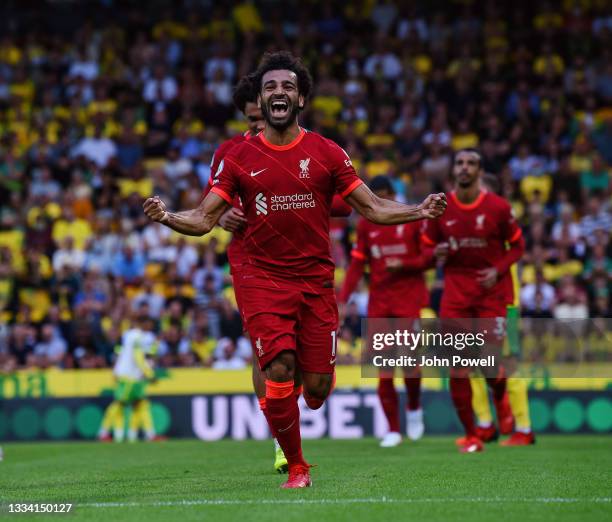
(292, 201)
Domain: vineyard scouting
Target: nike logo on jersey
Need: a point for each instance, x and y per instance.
(450, 222)
(253, 174)
(332, 361)
(375, 233)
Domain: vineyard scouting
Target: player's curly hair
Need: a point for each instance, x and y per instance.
(274, 61)
(245, 92)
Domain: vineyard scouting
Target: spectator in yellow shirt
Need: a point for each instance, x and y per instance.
(69, 226)
(548, 62)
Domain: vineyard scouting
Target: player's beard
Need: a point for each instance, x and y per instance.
(466, 181)
(280, 125)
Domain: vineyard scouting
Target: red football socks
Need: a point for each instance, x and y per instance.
(413, 391)
(389, 402)
(461, 393)
(498, 387)
(284, 419)
(264, 410)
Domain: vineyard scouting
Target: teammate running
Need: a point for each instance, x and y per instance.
(397, 289)
(286, 178)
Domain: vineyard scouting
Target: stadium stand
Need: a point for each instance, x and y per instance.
(101, 107)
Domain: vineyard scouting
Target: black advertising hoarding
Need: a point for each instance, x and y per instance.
(346, 415)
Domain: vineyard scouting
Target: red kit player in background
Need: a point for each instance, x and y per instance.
(471, 242)
(245, 100)
(286, 178)
(397, 261)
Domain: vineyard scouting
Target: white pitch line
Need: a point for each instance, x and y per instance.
(341, 501)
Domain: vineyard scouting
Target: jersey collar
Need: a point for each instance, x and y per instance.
(282, 147)
(469, 206)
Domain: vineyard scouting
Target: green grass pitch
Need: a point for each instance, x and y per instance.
(561, 478)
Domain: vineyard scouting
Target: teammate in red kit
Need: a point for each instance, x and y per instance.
(286, 178)
(471, 242)
(397, 289)
(245, 100)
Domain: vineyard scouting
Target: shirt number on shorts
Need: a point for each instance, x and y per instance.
(334, 342)
(500, 327)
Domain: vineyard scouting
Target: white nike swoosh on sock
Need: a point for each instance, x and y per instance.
(281, 430)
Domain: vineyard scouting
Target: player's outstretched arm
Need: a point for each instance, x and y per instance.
(387, 212)
(195, 222)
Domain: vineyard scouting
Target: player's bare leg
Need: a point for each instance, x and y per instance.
(284, 416)
(259, 385)
(317, 387)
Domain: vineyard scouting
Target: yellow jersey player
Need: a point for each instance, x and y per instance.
(133, 370)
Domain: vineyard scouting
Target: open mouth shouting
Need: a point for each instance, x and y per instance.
(279, 108)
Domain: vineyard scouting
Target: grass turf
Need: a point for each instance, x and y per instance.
(562, 478)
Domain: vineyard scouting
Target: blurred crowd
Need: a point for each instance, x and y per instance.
(102, 105)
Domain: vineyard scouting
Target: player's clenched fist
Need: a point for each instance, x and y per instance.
(155, 209)
(233, 220)
(433, 206)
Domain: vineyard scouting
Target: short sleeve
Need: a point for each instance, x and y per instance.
(128, 341)
(430, 232)
(216, 165)
(225, 180)
(343, 172)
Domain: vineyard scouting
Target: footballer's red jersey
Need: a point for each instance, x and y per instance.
(235, 250)
(217, 159)
(477, 235)
(393, 293)
(287, 192)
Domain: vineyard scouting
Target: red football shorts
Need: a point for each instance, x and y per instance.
(280, 317)
(491, 308)
(386, 308)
